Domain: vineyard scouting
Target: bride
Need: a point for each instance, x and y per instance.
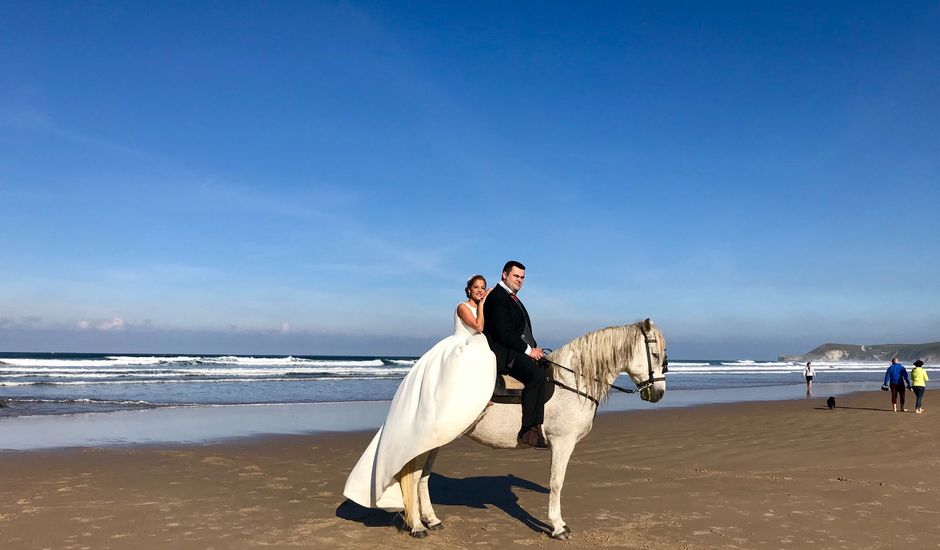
(439, 399)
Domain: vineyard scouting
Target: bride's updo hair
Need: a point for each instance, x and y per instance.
(472, 280)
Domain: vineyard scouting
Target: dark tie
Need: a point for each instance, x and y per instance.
(514, 297)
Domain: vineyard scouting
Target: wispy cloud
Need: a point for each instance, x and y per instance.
(30, 119)
(335, 211)
(7, 322)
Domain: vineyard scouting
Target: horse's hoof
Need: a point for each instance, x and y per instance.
(435, 526)
(422, 534)
(564, 535)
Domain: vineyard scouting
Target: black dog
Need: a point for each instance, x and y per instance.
(831, 402)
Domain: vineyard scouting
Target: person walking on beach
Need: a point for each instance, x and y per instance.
(508, 330)
(809, 372)
(896, 379)
(919, 380)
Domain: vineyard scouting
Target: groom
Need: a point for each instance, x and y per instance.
(509, 333)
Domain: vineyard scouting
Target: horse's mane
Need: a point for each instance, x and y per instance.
(597, 356)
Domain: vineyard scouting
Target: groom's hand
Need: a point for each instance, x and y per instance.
(536, 353)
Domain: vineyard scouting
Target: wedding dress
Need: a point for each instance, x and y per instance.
(439, 399)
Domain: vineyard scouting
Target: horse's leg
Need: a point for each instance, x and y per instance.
(561, 453)
(409, 478)
(427, 511)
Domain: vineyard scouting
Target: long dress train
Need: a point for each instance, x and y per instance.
(438, 400)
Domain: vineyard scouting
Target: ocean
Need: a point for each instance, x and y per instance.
(68, 383)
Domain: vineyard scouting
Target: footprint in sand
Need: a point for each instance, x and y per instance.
(217, 461)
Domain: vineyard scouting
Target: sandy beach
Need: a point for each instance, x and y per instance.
(779, 474)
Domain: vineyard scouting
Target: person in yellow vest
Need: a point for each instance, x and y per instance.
(919, 384)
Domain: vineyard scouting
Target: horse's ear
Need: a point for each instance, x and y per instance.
(647, 324)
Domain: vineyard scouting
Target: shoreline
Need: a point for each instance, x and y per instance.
(738, 475)
(213, 423)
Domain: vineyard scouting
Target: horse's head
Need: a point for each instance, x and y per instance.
(648, 371)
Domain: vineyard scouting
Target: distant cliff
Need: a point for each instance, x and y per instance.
(929, 353)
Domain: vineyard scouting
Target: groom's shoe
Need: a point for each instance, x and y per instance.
(533, 438)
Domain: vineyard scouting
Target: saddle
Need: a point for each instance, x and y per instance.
(508, 390)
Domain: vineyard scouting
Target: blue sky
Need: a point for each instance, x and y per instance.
(322, 177)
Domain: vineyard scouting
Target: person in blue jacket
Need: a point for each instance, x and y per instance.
(896, 378)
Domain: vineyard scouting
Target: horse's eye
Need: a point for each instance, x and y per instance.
(665, 364)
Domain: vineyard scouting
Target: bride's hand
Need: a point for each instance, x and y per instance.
(487, 294)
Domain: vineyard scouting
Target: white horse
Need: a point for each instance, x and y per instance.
(584, 370)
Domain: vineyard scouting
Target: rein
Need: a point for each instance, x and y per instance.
(579, 392)
(639, 386)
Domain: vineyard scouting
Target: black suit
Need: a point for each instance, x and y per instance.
(509, 331)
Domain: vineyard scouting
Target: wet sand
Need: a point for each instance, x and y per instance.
(773, 474)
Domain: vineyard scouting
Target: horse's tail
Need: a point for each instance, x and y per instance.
(407, 478)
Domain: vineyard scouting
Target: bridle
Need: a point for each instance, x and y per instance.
(640, 386)
(649, 339)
